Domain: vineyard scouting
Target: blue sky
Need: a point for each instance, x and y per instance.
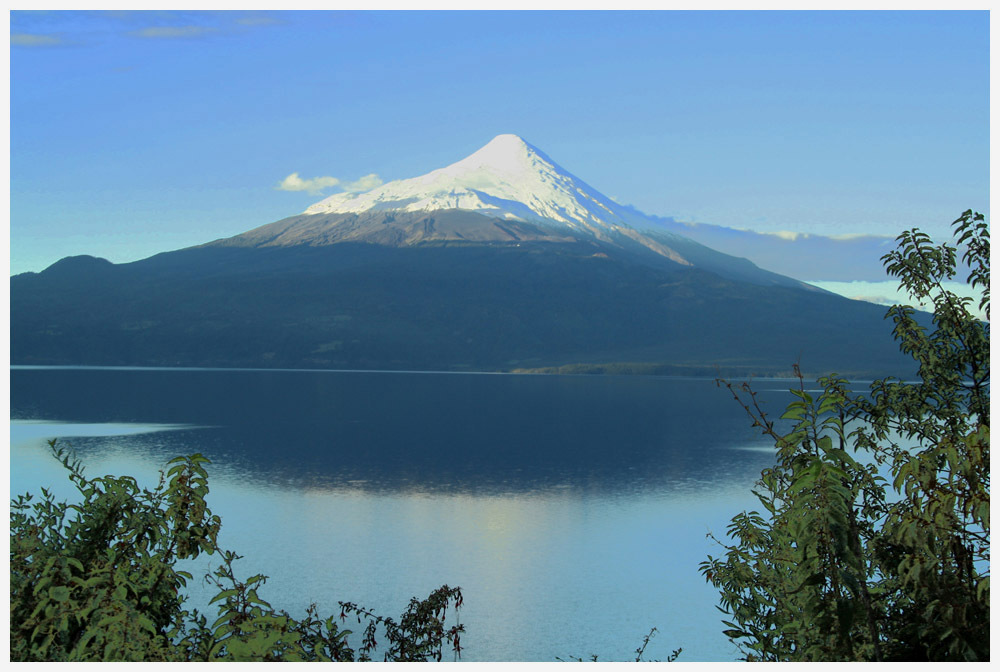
(134, 133)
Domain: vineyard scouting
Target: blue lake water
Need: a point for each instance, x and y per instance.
(572, 510)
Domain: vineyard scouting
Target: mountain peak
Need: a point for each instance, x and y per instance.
(506, 143)
(506, 153)
(508, 178)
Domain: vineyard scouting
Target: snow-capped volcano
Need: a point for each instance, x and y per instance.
(506, 193)
(501, 260)
(507, 178)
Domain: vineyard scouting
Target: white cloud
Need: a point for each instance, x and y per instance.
(32, 40)
(788, 235)
(855, 236)
(366, 183)
(312, 185)
(173, 32)
(315, 185)
(882, 300)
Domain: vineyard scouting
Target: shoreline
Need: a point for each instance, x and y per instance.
(613, 369)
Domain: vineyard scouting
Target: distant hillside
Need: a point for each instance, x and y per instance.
(444, 307)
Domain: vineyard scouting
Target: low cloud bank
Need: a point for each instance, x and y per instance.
(888, 293)
(316, 185)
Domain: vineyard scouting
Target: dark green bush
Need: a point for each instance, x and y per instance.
(845, 564)
(96, 581)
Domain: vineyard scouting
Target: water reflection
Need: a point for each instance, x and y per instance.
(556, 572)
(435, 433)
(571, 510)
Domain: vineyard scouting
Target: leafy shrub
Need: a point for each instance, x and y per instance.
(96, 581)
(845, 564)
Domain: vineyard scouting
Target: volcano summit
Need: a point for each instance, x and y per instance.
(507, 178)
(508, 192)
(500, 261)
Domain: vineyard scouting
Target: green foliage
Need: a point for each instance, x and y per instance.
(96, 581)
(873, 542)
(639, 652)
(420, 631)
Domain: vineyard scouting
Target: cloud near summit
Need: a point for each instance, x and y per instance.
(315, 185)
(366, 183)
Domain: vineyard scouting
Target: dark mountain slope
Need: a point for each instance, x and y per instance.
(436, 305)
(394, 228)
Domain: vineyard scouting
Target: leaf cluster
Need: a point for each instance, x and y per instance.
(97, 581)
(873, 539)
(639, 652)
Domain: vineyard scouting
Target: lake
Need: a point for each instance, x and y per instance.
(571, 510)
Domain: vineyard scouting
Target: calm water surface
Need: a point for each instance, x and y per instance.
(572, 510)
